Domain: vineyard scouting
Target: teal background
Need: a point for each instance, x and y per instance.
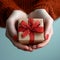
(49, 52)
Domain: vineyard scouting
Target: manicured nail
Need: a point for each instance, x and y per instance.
(46, 37)
(15, 37)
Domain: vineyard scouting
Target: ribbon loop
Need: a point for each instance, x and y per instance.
(30, 28)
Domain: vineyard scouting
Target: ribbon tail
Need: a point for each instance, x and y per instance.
(21, 29)
(36, 24)
(24, 24)
(25, 33)
(31, 38)
(39, 29)
(30, 21)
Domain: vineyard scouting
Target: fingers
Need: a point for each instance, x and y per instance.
(18, 45)
(47, 24)
(46, 41)
(11, 28)
(47, 29)
(34, 46)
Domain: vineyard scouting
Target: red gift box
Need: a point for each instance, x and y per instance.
(30, 31)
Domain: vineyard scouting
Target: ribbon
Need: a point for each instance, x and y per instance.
(30, 28)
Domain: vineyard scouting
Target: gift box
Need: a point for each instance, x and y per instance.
(30, 31)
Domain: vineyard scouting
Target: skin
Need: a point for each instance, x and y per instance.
(48, 22)
(11, 31)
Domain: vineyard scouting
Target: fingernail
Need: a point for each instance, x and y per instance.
(46, 36)
(27, 48)
(15, 37)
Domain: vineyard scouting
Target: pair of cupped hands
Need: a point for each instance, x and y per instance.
(11, 31)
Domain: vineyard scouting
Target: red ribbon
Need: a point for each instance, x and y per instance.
(30, 28)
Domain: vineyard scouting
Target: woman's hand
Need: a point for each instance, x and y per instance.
(48, 24)
(11, 31)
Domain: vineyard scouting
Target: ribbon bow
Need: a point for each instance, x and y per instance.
(30, 28)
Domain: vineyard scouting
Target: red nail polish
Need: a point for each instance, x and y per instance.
(15, 37)
(46, 37)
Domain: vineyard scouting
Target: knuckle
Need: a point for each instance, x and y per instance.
(37, 11)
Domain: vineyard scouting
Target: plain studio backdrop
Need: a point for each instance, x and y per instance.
(49, 52)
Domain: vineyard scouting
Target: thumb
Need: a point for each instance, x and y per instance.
(47, 30)
(11, 28)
